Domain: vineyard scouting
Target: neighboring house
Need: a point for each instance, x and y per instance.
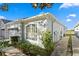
(31, 28)
(2, 30)
(76, 29)
(69, 32)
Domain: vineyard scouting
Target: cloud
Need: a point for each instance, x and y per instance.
(2, 17)
(72, 15)
(68, 20)
(67, 5)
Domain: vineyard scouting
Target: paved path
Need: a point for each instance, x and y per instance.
(61, 47)
(75, 46)
(11, 51)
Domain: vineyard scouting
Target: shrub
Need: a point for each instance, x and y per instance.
(33, 50)
(30, 49)
(48, 41)
(4, 44)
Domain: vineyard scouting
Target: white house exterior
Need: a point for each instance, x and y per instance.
(31, 28)
(58, 30)
(2, 28)
(76, 29)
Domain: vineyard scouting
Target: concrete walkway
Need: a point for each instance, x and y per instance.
(75, 46)
(11, 51)
(61, 47)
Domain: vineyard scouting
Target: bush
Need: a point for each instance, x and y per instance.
(4, 44)
(48, 41)
(33, 50)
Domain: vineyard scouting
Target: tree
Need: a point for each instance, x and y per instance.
(4, 7)
(41, 5)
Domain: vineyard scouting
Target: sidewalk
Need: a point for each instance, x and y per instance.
(75, 46)
(61, 47)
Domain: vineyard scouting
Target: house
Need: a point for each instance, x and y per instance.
(76, 29)
(69, 32)
(2, 23)
(31, 28)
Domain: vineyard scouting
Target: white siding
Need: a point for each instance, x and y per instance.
(42, 23)
(40, 29)
(58, 31)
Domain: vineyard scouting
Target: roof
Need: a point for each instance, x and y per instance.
(77, 24)
(38, 17)
(43, 16)
(31, 19)
(58, 21)
(5, 21)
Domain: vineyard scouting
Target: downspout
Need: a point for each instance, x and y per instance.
(52, 31)
(22, 31)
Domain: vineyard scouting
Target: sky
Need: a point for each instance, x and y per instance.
(66, 13)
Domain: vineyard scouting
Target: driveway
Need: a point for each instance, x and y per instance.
(61, 47)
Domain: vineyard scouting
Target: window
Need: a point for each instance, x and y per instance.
(43, 24)
(13, 31)
(31, 31)
(55, 34)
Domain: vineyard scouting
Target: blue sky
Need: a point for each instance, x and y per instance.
(68, 14)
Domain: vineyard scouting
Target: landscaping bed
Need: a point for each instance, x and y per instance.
(33, 50)
(3, 45)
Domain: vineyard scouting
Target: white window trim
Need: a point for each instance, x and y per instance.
(26, 30)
